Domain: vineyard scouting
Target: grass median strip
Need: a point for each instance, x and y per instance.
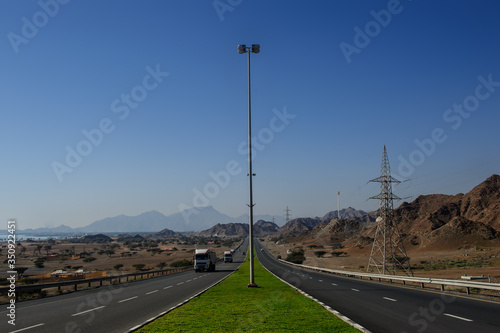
(232, 307)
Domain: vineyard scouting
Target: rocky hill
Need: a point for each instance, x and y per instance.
(299, 225)
(261, 228)
(435, 221)
(265, 228)
(167, 233)
(346, 213)
(226, 230)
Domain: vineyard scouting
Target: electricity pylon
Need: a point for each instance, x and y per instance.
(388, 252)
(287, 214)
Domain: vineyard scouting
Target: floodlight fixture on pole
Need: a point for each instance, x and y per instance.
(255, 48)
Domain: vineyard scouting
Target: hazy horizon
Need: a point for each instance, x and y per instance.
(123, 107)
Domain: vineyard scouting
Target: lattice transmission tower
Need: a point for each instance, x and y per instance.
(388, 253)
(287, 214)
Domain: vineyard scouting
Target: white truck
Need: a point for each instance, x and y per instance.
(228, 256)
(204, 260)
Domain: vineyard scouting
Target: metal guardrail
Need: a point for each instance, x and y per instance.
(421, 280)
(19, 289)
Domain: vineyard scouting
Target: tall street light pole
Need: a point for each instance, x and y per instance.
(255, 48)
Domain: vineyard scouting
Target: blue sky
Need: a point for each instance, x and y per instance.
(163, 93)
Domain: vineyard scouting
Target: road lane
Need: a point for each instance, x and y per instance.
(115, 308)
(390, 308)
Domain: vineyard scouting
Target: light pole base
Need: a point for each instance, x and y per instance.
(253, 285)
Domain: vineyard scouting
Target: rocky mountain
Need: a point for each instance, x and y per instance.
(226, 230)
(345, 213)
(299, 225)
(278, 220)
(146, 222)
(62, 229)
(264, 228)
(167, 233)
(261, 228)
(435, 221)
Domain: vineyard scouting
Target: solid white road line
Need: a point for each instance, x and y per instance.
(457, 317)
(127, 299)
(27, 328)
(80, 313)
(390, 299)
(152, 292)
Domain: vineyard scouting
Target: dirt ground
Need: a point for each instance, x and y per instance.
(445, 264)
(123, 255)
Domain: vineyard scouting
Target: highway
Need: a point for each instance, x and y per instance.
(390, 308)
(117, 308)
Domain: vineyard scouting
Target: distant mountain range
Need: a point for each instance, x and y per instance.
(194, 219)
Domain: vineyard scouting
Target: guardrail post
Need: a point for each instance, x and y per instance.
(90, 283)
(404, 283)
(442, 287)
(100, 283)
(422, 285)
(76, 286)
(468, 290)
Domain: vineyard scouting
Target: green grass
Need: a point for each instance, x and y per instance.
(233, 307)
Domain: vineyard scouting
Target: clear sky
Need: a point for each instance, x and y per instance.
(121, 107)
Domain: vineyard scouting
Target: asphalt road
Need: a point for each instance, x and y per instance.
(389, 308)
(113, 308)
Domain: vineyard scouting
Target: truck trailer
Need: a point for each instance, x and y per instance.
(228, 256)
(204, 260)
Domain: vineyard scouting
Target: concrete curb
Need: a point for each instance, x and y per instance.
(335, 312)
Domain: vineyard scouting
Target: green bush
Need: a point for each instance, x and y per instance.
(39, 262)
(182, 263)
(319, 254)
(296, 256)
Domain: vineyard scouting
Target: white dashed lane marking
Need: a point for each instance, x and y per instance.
(127, 299)
(457, 317)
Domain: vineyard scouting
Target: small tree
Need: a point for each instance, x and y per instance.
(319, 254)
(39, 262)
(161, 265)
(47, 248)
(118, 266)
(296, 256)
(138, 267)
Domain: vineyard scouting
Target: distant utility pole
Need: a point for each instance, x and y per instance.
(338, 205)
(287, 214)
(388, 253)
